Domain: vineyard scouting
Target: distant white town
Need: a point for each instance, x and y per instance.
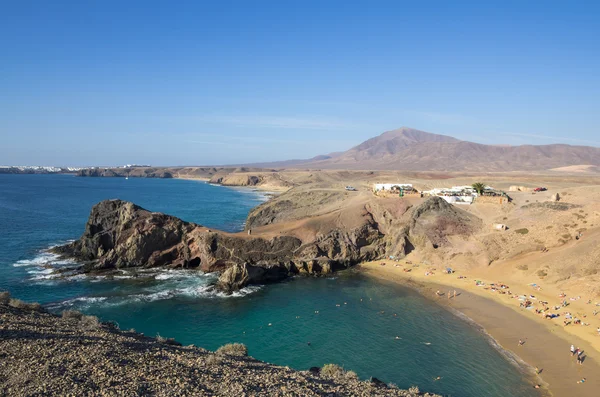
(53, 169)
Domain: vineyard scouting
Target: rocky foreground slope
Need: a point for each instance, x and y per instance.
(42, 354)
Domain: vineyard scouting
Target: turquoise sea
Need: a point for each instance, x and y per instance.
(348, 319)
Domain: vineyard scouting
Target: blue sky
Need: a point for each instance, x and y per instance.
(191, 83)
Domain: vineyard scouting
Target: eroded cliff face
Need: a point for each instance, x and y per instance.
(120, 234)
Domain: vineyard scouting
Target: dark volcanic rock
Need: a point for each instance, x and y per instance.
(120, 234)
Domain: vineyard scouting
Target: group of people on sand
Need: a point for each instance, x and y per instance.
(451, 294)
(579, 353)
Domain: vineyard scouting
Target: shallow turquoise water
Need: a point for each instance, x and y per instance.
(40, 210)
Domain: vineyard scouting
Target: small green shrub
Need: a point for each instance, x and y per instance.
(233, 349)
(522, 231)
(4, 297)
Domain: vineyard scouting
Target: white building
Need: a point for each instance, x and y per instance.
(388, 186)
(456, 194)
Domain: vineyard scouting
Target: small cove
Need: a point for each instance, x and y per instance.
(360, 334)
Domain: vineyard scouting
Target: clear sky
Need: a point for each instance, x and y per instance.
(193, 83)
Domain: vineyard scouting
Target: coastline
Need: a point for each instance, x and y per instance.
(546, 347)
(265, 188)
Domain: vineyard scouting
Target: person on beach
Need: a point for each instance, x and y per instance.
(521, 342)
(581, 381)
(454, 294)
(572, 350)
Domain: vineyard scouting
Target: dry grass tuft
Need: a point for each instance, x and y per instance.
(4, 297)
(233, 349)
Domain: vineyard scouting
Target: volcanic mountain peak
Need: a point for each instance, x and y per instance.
(409, 149)
(415, 136)
(391, 141)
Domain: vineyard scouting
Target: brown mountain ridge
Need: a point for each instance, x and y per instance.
(413, 150)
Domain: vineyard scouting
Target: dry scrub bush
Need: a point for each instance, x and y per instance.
(233, 349)
(213, 359)
(167, 341)
(414, 390)
(522, 231)
(72, 315)
(350, 375)
(4, 297)
(85, 322)
(332, 371)
(89, 323)
(19, 304)
(160, 338)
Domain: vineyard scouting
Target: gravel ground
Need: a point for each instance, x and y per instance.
(42, 354)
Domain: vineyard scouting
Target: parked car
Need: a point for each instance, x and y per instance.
(540, 189)
(350, 188)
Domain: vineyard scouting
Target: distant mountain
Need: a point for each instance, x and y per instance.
(414, 150)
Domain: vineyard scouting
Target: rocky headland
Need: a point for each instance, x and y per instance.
(42, 354)
(282, 239)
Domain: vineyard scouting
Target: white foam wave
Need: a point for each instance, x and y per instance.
(83, 301)
(42, 259)
(42, 271)
(154, 294)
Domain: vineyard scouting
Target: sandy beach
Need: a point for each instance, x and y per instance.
(547, 342)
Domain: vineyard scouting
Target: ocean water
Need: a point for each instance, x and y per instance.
(371, 327)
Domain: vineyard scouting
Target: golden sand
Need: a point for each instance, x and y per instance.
(547, 342)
